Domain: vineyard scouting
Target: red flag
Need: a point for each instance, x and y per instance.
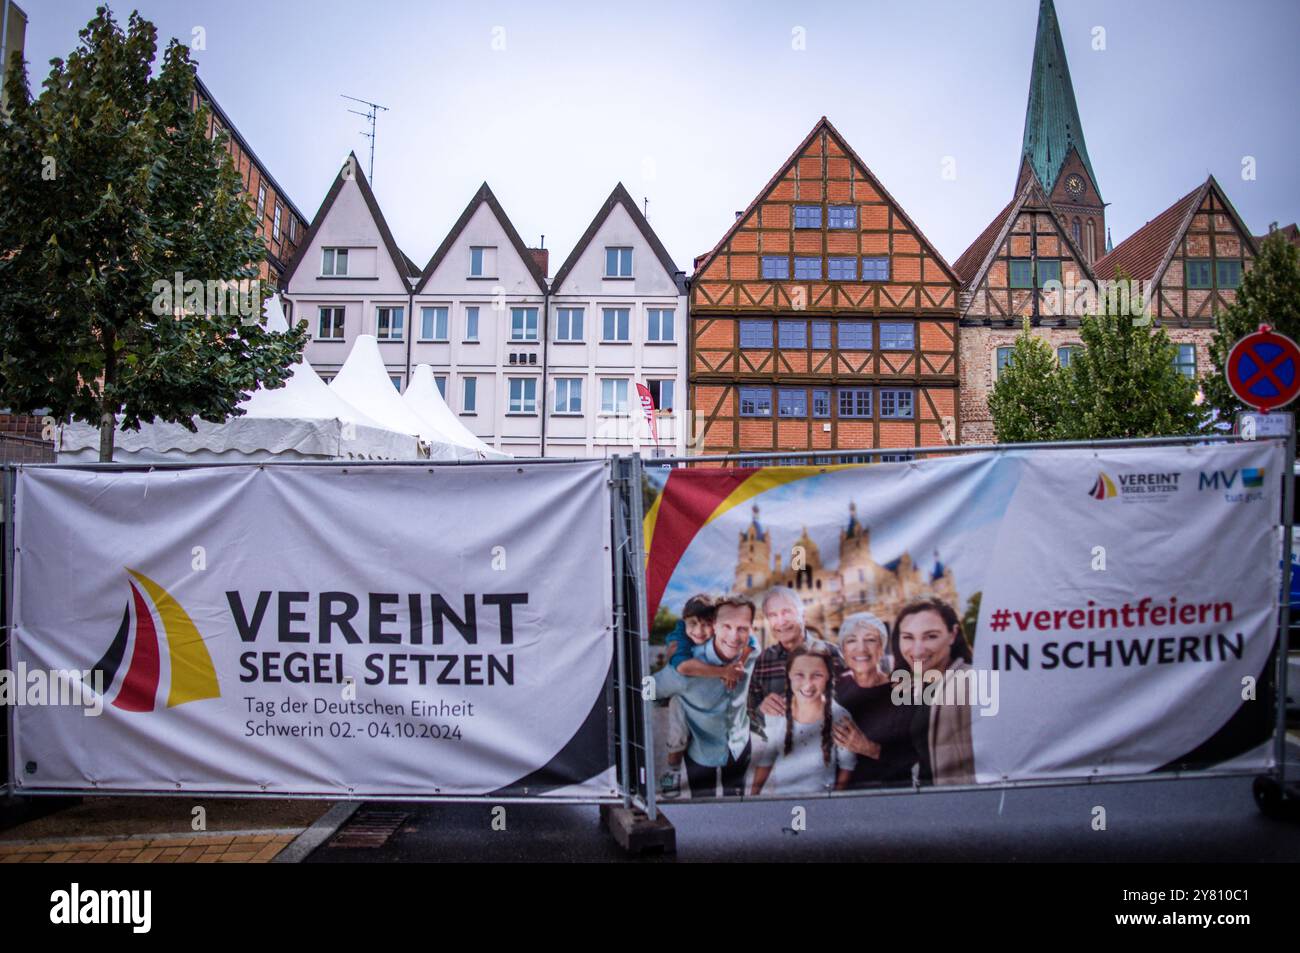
(648, 405)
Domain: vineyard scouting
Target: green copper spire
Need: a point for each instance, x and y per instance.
(1052, 123)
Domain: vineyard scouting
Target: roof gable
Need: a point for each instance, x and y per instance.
(351, 170)
(616, 198)
(746, 217)
(483, 196)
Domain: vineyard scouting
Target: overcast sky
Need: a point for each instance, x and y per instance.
(695, 105)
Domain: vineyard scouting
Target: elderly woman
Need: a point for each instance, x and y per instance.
(878, 731)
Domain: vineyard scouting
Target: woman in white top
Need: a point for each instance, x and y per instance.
(799, 755)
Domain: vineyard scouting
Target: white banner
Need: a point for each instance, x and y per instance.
(1022, 614)
(359, 631)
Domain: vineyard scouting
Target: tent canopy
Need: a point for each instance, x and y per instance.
(423, 397)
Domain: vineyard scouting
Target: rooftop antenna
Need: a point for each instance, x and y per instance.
(645, 207)
(369, 116)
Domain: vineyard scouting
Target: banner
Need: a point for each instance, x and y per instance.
(1035, 614)
(362, 631)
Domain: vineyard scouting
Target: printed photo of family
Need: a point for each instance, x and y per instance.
(805, 715)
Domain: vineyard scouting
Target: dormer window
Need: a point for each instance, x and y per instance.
(618, 262)
(334, 262)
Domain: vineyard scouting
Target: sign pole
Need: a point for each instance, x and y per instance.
(1284, 618)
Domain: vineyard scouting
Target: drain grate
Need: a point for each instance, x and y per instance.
(369, 829)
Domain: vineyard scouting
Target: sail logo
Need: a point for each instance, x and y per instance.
(191, 676)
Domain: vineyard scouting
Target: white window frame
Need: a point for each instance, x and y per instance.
(523, 335)
(655, 335)
(560, 314)
(342, 325)
(469, 395)
(627, 326)
(631, 264)
(471, 310)
(614, 408)
(526, 404)
(401, 330)
(446, 323)
(332, 255)
(568, 410)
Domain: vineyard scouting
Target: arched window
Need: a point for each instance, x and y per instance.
(1076, 231)
(1090, 249)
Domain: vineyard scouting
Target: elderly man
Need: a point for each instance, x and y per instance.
(783, 610)
(716, 709)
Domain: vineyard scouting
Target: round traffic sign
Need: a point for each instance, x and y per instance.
(1264, 369)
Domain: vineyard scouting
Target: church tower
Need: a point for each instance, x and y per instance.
(754, 559)
(1054, 145)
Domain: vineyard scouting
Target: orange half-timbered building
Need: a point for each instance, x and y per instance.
(823, 319)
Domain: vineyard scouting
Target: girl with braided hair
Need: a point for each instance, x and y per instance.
(799, 755)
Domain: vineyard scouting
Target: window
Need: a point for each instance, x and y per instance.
(1198, 273)
(468, 395)
(618, 263)
(808, 268)
(1064, 355)
(471, 323)
(776, 267)
(523, 395)
(440, 381)
(792, 403)
(397, 381)
(331, 324)
(617, 324)
(613, 395)
(897, 337)
(855, 402)
(663, 393)
(821, 335)
(875, 269)
(842, 216)
(1076, 230)
(821, 403)
(895, 404)
(293, 228)
(433, 324)
(661, 324)
(1022, 273)
(523, 324)
(1049, 269)
(897, 457)
(807, 216)
(755, 402)
(261, 203)
(275, 223)
(568, 324)
(1228, 274)
(1185, 360)
(855, 335)
(842, 269)
(568, 395)
(482, 261)
(388, 323)
(756, 334)
(334, 262)
(1003, 360)
(792, 334)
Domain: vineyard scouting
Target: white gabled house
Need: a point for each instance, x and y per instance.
(478, 313)
(617, 319)
(529, 367)
(350, 278)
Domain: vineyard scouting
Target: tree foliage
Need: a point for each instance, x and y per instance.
(109, 185)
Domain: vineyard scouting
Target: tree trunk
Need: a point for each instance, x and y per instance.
(108, 413)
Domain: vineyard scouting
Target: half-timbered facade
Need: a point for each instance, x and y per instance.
(1193, 255)
(823, 319)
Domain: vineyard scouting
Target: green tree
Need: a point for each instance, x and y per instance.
(971, 617)
(1123, 383)
(110, 189)
(1269, 294)
(1026, 398)
(665, 621)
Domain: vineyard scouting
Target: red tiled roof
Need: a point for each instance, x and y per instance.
(968, 265)
(1290, 232)
(1139, 255)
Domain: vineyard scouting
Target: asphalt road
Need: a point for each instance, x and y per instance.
(1184, 820)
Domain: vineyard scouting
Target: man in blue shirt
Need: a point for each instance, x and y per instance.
(717, 709)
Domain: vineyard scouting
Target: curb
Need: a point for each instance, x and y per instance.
(322, 830)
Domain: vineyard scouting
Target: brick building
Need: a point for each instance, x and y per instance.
(823, 319)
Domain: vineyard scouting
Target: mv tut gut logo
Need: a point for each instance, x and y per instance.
(1237, 486)
(189, 666)
(1135, 487)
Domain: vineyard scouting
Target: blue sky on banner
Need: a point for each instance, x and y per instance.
(951, 506)
(694, 106)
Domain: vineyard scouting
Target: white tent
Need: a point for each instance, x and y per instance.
(364, 383)
(303, 420)
(423, 397)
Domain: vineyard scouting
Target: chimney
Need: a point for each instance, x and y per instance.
(738, 214)
(542, 258)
